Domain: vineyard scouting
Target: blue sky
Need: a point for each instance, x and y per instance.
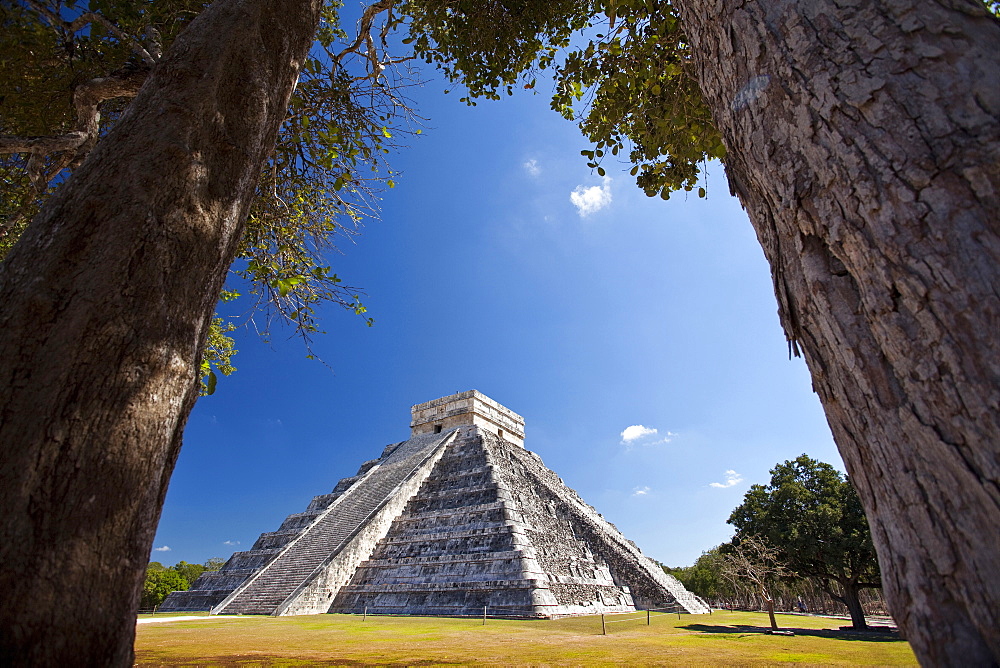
(503, 264)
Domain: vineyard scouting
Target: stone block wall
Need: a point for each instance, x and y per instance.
(466, 409)
(451, 551)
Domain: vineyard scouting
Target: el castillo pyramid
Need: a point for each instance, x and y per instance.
(457, 518)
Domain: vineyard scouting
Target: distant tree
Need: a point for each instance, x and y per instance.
(158, 585)
(214, 564)
(704, 577)
(811, 514)
(190, 572)
(751, 564)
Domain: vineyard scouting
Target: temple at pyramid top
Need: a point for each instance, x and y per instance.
(458, 519)
(470, 408)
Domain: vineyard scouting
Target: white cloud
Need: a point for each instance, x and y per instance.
(732, 478)
(640, 491)
(230, 542)
(635, 432)
(592, 199)
(638, 434)
(164, 548)
(531, 166)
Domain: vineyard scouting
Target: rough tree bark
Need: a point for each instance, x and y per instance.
(104, 308)
(863, 140)
(850, 596)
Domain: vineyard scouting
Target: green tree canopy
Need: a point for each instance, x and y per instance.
(214, 564)
(704, 577)
(158, 585)
(190, 572)
(812, 516)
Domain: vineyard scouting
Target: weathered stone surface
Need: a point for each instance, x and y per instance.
(446, 523)
(470, 408)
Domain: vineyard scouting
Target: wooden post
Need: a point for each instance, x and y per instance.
(484, 615)
(604, 629)
(647, 617)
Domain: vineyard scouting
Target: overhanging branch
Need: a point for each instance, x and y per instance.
(86, 19)
(370, 52)
(76, 144)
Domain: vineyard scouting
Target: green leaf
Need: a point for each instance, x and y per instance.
(210, 382)
(285, 285)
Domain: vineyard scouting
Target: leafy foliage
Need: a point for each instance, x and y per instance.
(621, 71)
(190, 572)
(704, 577)
(42, 64)
(158, 585)
(322, 180)
(488, 46)
(813, 517)
(629, 87)
(812, 514)
(161, 580)
(641, 96)
(214, 564)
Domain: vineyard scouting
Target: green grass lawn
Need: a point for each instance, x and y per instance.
(721, 639)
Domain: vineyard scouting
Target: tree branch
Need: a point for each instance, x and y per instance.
(370, 53)
(92, 17)
(86, 98)
(44, 144)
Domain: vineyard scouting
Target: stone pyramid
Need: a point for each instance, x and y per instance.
(457, 518)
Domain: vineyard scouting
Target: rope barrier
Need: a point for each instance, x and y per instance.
(665, 611)
(531, 613)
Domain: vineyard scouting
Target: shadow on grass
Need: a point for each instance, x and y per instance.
(871, 635)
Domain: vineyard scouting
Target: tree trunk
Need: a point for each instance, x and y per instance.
(770, 611)
(105, 304)
(850, 597)
(863, 140)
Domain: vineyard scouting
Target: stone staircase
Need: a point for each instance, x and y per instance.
(649, 585)
(451, 551)
(267, 590)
